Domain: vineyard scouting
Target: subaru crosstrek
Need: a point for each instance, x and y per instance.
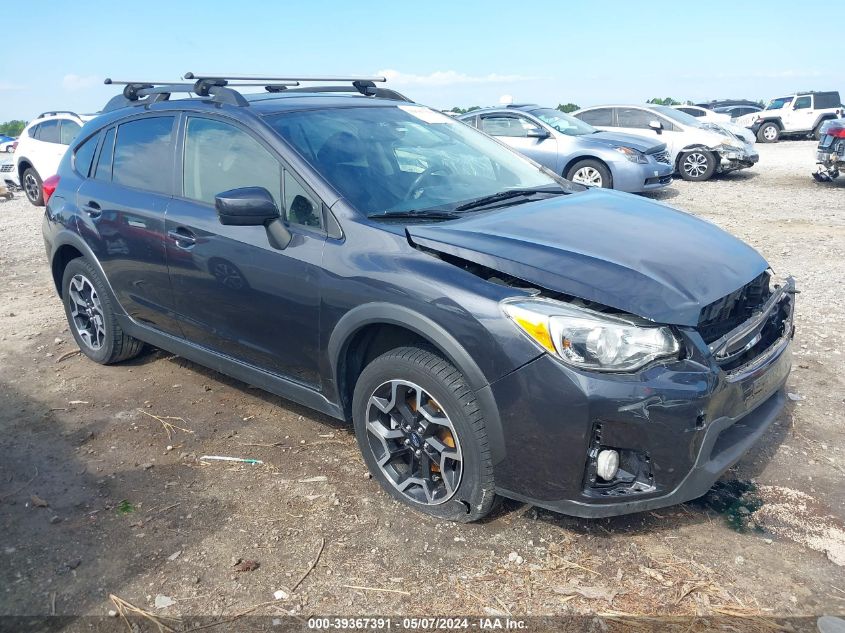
(488, 328)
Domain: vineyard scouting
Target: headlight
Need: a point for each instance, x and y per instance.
(587, 339)
(729, 146)
(633, 155)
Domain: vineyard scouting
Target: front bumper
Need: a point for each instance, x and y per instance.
(733, 160)
(638, 177)
(689, 420)
(8, 174)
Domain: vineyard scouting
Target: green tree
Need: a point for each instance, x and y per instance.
(12, 128)
(568, 107)
(668, 101)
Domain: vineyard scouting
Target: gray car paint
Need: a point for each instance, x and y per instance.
(647, 259)
(560, 151)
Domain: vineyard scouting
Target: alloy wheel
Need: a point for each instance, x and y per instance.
(86, 312)
(695, 164)
(770, 133)
(588, 176)
(414, 442)
(30, 186)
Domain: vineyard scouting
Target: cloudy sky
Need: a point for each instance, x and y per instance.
(439, 53)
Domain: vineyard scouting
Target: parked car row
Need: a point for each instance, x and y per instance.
(485, 326)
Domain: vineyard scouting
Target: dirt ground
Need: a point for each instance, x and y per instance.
(102, 491)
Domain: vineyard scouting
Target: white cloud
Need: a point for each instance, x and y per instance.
(73, 82)
(447, 78)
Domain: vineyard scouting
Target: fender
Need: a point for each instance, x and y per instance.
(392, 314)
(827, 116)
(18, 170)
(771, 119)
(66, 237)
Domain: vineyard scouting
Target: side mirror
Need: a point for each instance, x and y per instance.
(246, 206)
(538, 133)
(253, 206)
(656, 125)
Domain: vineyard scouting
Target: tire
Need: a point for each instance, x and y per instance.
(590, 173)
(82, 281)
(697, 165)
(768, 133)
(817, 132)
(402, 379)
(31, 184)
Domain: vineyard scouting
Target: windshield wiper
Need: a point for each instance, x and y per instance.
(505, 195)
(420, 214)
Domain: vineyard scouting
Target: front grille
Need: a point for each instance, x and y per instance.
(663, 157)
(6, 168)
(723, 315)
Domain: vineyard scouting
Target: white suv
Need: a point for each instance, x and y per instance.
(801, 113)
(40, 149)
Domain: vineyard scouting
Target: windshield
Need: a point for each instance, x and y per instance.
(779, 103)
(676, 115)
(563, 122)
(405, 158)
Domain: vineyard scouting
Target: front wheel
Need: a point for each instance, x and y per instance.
(697, 165)
(423, 436)
(590, 173)
(768, 133)
(31, 182)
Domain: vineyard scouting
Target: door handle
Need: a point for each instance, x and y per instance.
(183, 237)
(92, 209)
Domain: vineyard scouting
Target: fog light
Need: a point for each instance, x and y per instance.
(607, 464)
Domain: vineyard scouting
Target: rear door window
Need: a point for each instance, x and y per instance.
(143, 154)
(599, 116)
(49, 132)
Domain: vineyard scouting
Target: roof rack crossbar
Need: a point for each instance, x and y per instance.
(326, 78)
(369, 91)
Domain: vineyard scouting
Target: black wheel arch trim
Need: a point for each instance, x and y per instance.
(380, 313)
(822, 118)
(775, 120)
(66, 237)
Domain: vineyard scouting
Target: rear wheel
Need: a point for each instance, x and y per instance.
(768, 133)
(31, 183)
(590, 173)
(422, 434)
(697, 165)
(90, 315)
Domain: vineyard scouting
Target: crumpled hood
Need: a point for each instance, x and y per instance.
(613, 248)
(615, 139)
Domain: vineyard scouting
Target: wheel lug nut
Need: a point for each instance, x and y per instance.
(418, 452)
(407, 442)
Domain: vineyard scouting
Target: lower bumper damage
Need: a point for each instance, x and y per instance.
(676, 427)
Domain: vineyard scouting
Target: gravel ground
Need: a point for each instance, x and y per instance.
(101, 491)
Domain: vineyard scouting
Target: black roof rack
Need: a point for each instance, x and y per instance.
(220, 89)
(145, 92)
(363, 85)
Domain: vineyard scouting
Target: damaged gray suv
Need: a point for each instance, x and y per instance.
(488, 328)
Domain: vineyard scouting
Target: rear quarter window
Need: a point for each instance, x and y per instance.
(143, 154)
(48, 132)
(826, 100)
(83, 157)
